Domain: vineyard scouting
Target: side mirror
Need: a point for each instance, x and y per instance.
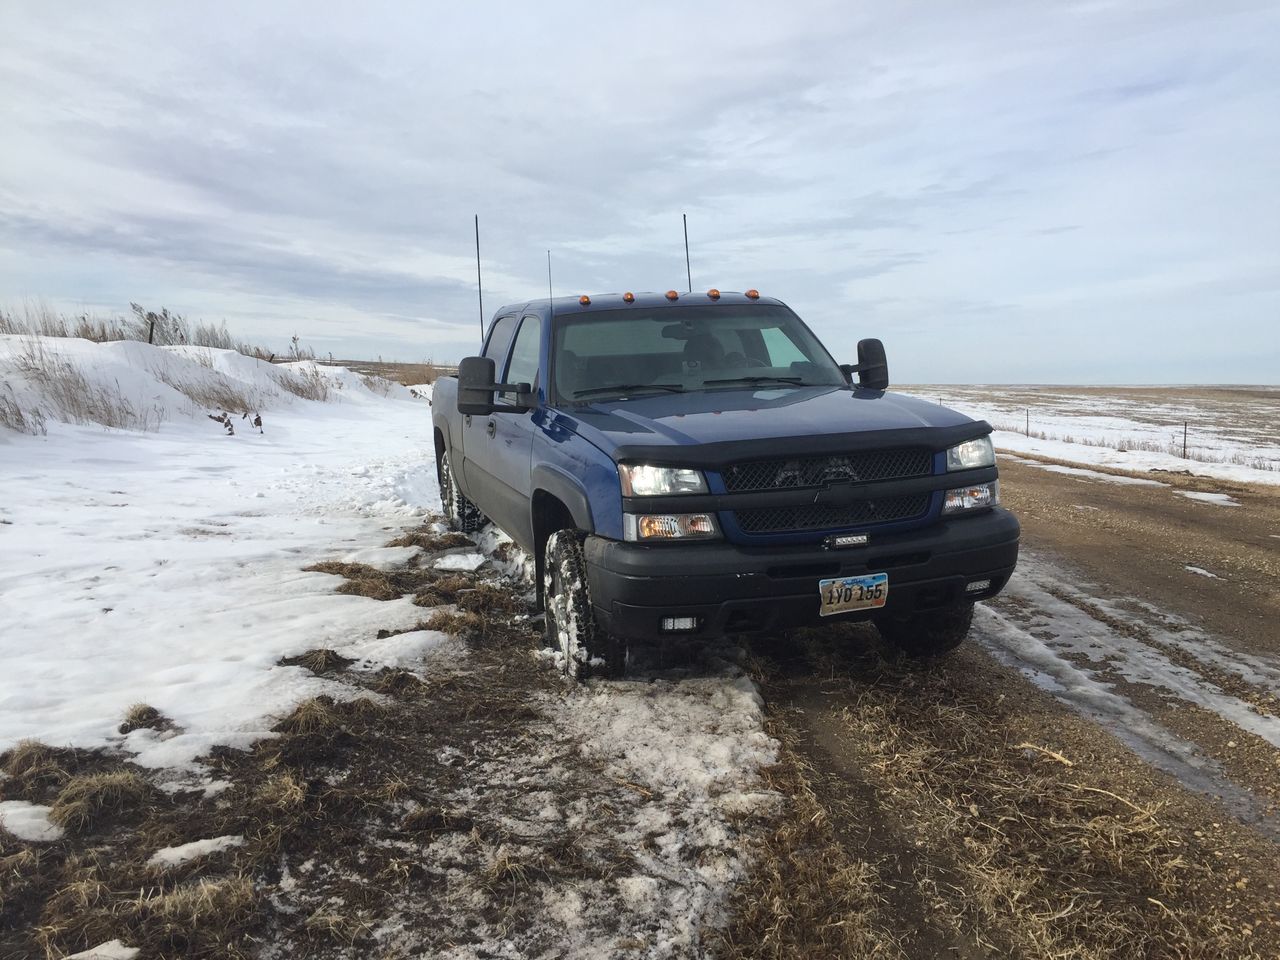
(476, 386)
(872, 368)
(476, 389)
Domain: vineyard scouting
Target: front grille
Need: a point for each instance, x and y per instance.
(832, 517)
(861, 467)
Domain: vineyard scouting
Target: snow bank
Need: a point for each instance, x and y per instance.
(136, 386)
(167, 567)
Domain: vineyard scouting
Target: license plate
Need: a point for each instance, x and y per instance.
(844, 594)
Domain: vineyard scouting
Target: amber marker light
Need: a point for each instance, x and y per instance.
(753, 294)
(584, 300)
(629, 297)
(672, 295)
(713, 293)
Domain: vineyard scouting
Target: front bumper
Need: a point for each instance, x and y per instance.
(734, 589)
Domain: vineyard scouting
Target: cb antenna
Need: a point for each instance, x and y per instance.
(550, 295)
(479, 285)
(687, 271)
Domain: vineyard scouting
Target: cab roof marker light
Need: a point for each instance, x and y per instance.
(713, 293)
(672, 295)
(584, 300)
(629, 297)
(753, 294)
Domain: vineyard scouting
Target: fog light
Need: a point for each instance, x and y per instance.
(669, 526)
(977, 586)
(977, 497)
(679, 624)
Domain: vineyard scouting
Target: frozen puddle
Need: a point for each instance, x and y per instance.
(1219, 499)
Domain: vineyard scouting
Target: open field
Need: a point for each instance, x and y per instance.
(290, 714)
(1231, 431)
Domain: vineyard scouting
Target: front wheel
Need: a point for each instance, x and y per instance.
(928, 633)
(586, 650)
(461, 513)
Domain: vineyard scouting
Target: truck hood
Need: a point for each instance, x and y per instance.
(696, 426)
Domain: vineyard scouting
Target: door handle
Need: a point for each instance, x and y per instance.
(492, 428)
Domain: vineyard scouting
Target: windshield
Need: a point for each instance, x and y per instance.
(674, 349)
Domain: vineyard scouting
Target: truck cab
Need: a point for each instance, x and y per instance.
(692, 465)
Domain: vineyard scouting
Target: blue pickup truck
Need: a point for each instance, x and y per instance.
(694, 465)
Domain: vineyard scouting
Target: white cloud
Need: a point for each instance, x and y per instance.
(1068, 192)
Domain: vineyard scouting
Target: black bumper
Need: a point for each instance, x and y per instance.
(732, 589)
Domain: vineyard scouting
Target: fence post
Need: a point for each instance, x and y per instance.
(151, 330)
(1184, 439)
(1028, 421)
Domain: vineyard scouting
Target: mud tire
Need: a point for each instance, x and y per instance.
(586, 649)
(461, 513)
(928, 634)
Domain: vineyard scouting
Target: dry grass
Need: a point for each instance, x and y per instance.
(805, 896)
(1061, 866)
(1172, 446)
(320, 661)
(33, 772)
(90, 801)
(310, 716)
(430, 541)
(161, 327)
(13, 416)
(142, 715)
(77, 400)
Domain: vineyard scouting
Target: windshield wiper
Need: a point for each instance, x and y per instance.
(758, 378)
(628, 388)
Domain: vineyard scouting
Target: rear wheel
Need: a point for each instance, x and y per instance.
(929, 633)
(461, 513)
(586, 649)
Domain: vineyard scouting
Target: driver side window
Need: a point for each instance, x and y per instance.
(523, 366)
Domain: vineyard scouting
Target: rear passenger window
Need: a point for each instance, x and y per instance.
(499, 340)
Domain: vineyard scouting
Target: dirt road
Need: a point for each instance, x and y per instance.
(1097, 775)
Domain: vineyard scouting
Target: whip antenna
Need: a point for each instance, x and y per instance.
(687, 271)
(479, 285)
(550, 295)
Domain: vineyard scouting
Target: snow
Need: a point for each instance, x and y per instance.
(1073, 655)
(460, 561)
(173, 856)
(1084, 474)
(111, 950)
(1220, 499)
(1201, 571)
(165, 567)
(28, 821)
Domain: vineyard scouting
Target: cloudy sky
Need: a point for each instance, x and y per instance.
(1001, 191)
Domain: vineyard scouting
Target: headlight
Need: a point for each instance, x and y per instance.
(977, 497)
(972, 454)
(644, 480)
(669, 526)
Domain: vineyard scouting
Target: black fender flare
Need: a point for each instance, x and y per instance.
(564, 487)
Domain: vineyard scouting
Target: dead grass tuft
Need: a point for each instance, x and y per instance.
(142, 715)
(319, 661)
(328, 923)
(284, 791)
(311, 716)
(90, 801)
(365, 581)
(431, 541)
(466, 626)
